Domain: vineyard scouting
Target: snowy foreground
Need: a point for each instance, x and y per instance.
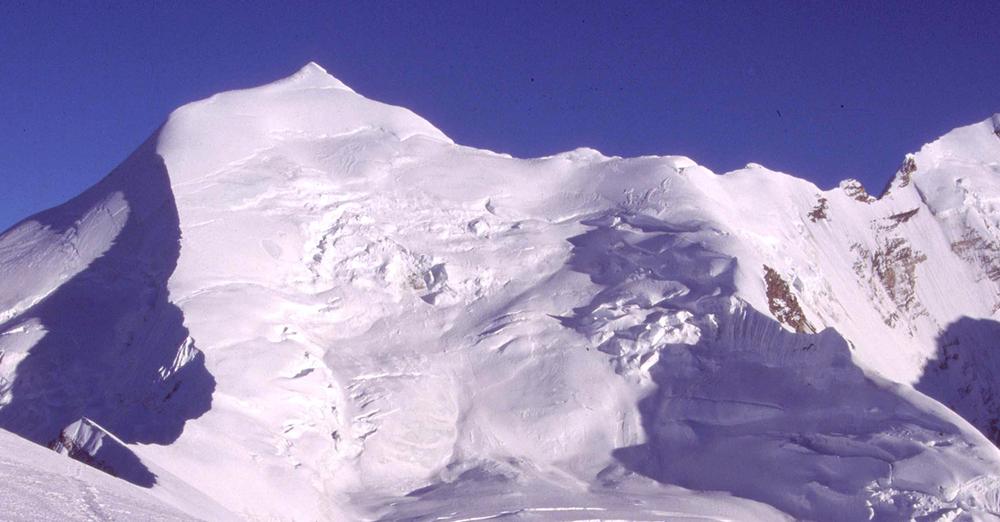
(295, 303)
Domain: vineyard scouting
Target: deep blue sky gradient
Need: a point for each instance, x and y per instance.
(821, 90)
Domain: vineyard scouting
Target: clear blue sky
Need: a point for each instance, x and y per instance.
(857, 85)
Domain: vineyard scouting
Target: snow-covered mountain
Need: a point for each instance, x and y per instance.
(295, 303)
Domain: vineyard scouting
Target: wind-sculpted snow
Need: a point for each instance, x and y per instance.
(831, 443)
(737, 393)
(297, 303)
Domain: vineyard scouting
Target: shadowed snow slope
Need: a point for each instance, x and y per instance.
(105, 341)
(43, 486)
(304, 304)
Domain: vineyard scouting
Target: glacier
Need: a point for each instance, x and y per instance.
(295, 303)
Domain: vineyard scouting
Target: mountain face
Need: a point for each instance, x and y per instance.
(295, 303)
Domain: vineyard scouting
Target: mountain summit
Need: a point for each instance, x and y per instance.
(313, 75)
(293, 302)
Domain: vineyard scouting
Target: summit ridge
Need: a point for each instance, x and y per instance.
(296, 302)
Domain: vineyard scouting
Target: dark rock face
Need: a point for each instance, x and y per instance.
(902, 217)
(895, 267)
(783, 303)
(907, 170)
(903, 176)
(854, 189)
(890, 270)
(819, 211)
(981, 252)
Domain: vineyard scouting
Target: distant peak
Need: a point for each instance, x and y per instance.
(313, 76)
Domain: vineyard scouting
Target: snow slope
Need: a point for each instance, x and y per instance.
(295, 303)
(41, 485)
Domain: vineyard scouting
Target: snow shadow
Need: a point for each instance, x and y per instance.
(964, 375)
(738, 403)
(115, 349)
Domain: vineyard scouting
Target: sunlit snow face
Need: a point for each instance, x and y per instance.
(60, 253)
(348, 316)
